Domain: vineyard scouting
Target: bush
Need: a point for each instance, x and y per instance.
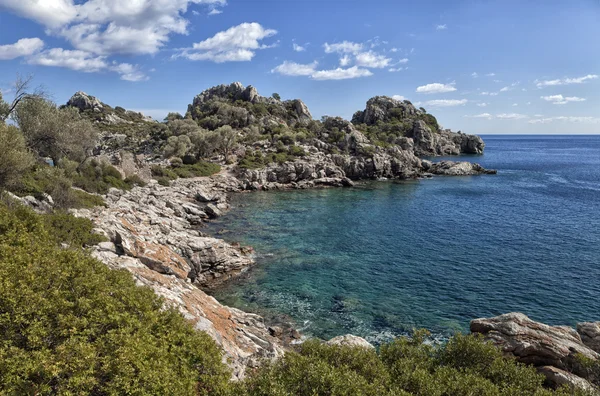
(83, 200)
(199, 169)
(74, 231)
(464, 366)
(135, 180)
(70, 325)
(15, 159)
(98, 178)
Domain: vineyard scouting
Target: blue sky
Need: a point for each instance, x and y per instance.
(480, 66)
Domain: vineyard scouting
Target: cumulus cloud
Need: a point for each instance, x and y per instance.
(483, 104)
(345, 60)
(565, 81)
(372, 60)
(23, 47)
(474, 75)
(560, 100)
(85, 62)
(441, 27)
(395, 69)
(341, 74)
(295, 69)
(298, 48)
(106, 27)
(345, 47)
(215, 11)
(490, 74)
(436, 88)
(236, 44)
(446, 102)
(398, 97)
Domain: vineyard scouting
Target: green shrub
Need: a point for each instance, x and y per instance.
(297, 151)
(74, 231)
(70, 325)
(134, 180)
(199, 169)
(98, 178)
(83, 200)
(464, 366)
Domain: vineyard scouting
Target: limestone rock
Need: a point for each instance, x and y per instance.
(452, 168)
(590, 334)
(536, 343)
(350, 340)
(557, 378)
(83, 102)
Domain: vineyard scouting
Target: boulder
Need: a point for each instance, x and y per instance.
(351, 341)
(556, 378)
(452, 168)
(538, 344)
(83, 102)
(590, 334)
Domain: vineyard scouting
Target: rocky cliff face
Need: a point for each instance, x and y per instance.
(555, 350)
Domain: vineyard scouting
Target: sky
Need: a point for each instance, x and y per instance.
(483, 67)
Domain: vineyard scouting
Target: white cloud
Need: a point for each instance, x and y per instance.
(23, 47)
(441, 27)
(298, 48)
(515, 104)
(215, 11)
(51, 13)
(341, 74)
(345, 47)
(482, 115)
(565, 81)
(394, 50)
(403, 61)
(372, 60)
(446, 102)
(395, 69)
(511, 116)
(295, 69)
(345, 60)
(398, 97)
(106, 27)
(483, 104)
(236, 44)
(505, 89)
(490, 74)
(560, 100)
(583, 120)
(474, 75)
(436, 88)
(85, 62)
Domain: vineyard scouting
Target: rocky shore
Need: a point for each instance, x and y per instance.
(563, 354)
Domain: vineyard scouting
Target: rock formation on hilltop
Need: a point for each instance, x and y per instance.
(401, 117)
(559, 352)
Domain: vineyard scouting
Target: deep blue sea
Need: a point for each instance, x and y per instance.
(385, 257)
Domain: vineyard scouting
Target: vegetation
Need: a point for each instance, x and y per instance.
(15, 158)
(70, 325)
(179, 169)
(465, 365)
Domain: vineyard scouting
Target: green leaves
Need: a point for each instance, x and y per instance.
(70, 325)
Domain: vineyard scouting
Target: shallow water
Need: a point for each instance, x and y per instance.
(385, 257)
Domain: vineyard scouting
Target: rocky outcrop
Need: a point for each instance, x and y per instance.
(83, 102)
(153, 233)
(590, 334)
(556, 350)
(429, 139)
(452, 168)
(101, 112)
(443, 142)
(351, 341)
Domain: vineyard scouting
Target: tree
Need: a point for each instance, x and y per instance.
(276, 96)
(173, 117)
(227, 140)
(177, 146)
(15, 159)
(53, 132)
(21, 88)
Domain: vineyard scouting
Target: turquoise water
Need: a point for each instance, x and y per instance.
(385, 257)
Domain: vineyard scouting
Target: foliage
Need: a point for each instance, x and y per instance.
(199, 169)
(53, 132)
(276, 96)
(464, 366)
(84, 200)
(70, 325)
(74, 231)
(98, 177)
(15, 159)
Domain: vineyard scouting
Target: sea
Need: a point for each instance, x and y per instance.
(387, 257)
